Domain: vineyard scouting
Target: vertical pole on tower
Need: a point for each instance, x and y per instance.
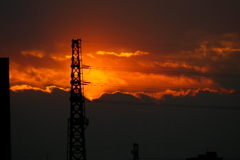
(135, 151)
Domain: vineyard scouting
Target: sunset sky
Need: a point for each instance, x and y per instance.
(163, 73)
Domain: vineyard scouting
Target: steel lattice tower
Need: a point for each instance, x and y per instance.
(77, 122)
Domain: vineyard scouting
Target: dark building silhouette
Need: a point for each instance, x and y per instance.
(207, 156)
(5, 106)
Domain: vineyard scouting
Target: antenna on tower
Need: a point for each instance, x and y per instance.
(135, 151)
(77, 123)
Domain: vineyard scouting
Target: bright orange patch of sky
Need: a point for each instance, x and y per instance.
(131, 72)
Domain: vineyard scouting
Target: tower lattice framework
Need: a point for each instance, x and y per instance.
(77, 123)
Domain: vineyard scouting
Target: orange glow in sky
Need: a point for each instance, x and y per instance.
(132, 72)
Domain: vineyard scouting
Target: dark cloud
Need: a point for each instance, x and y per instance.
(30, 24)
(39, 126)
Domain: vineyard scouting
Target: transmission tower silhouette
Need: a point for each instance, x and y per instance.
(77, 123)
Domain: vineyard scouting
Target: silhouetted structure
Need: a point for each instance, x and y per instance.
(207, 156)
(5, 106)
(135, 151)
(77, 122)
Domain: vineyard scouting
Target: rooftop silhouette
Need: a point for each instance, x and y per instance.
(208, 155)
